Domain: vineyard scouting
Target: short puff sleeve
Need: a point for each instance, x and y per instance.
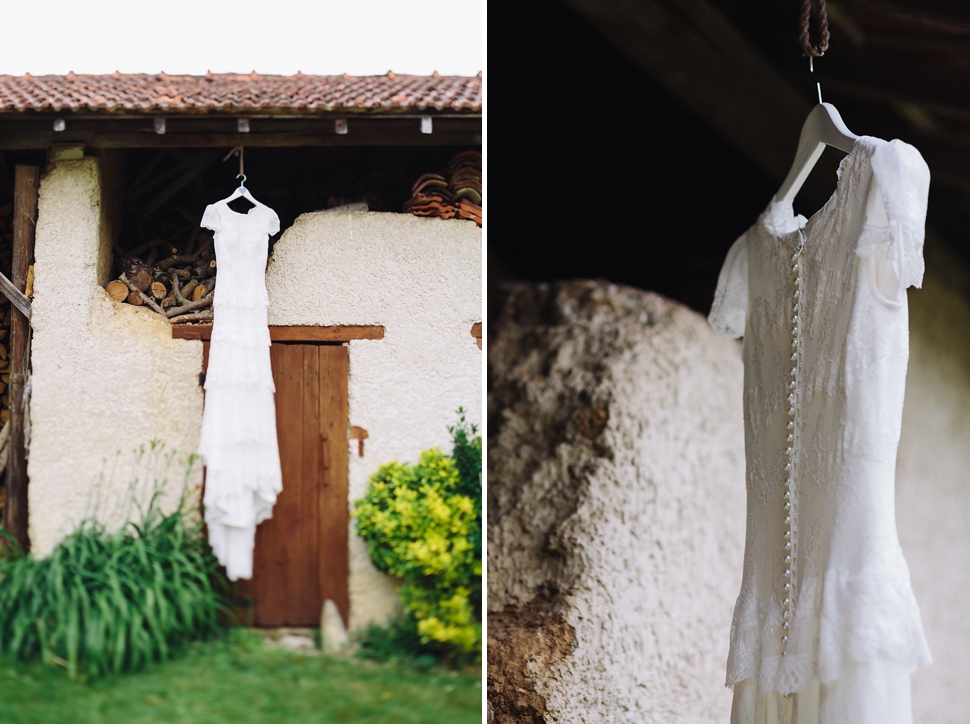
(211, 219)
(272, 222)
(729, 312)
(894, 227)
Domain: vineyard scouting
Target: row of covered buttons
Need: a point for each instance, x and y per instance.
(790, 449)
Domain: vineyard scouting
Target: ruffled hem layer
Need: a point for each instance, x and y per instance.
(233, 548)
(240, 500)
(875, 692)
(853, 618)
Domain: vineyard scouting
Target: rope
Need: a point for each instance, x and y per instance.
(809, 49)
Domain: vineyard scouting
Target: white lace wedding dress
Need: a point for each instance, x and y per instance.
(826, 627)
(238, 443)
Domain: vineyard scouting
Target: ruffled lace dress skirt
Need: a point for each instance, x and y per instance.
(878, 691)
(239, 444)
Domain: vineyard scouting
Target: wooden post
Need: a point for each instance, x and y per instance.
(26, 183)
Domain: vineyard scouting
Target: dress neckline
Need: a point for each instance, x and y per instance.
(780, 219)
(225, 203)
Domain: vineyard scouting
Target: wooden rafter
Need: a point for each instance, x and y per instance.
(693, 51)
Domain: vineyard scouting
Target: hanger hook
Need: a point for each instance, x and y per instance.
(811, 72)
(243, 177)
(237, 151)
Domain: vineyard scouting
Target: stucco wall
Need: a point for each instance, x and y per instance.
(107, 377)
(615, 505)
(422, 280)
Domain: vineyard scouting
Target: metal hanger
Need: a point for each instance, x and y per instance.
(823, 127)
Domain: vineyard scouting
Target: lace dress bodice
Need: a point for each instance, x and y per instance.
(238, 443)
(821, 304)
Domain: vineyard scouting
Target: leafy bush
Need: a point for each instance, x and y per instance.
(423, 524)
(398, 641)
(104, 602)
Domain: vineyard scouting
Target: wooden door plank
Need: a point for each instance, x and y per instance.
(274, 548)
(306, 603)
(26, 183)
(334, 513)
(286, 526)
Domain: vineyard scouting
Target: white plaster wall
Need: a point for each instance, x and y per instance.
(108, 378)
(422, 280)
(933, 484)
(642, 528)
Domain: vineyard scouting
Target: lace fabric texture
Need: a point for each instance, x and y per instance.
(854, 625)
(238, 443)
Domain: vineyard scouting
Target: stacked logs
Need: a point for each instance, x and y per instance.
(455, 193)
(180, 287)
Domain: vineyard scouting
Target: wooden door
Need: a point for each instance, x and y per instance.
(301, 556)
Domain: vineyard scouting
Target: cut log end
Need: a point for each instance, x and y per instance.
(118, 291)
(135, 299)
(158, 290)
(142, 279)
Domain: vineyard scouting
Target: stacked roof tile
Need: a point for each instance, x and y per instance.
(456, 192)
(230, 93)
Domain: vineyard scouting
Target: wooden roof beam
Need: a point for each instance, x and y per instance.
(694, 52)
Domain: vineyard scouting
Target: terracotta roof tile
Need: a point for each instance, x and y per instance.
(229, 92)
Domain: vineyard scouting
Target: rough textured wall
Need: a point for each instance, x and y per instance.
(616, 507)
(107, 377)
(422, 280)
(933, 483)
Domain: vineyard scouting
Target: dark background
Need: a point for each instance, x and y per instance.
(617, 178)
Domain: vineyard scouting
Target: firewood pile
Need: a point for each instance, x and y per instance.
(179, 286)
(455, 193)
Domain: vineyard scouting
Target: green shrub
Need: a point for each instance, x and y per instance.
(106, 602)
(398, 641)
(423, 524)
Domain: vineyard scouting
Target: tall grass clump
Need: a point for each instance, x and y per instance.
(106, 602)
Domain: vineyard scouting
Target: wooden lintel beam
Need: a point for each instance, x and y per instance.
(296, 333)
(694, 52)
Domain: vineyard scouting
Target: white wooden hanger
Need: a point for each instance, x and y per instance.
(823, 127)
(241, 191)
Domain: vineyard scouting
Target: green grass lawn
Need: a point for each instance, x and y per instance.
(239, 680)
